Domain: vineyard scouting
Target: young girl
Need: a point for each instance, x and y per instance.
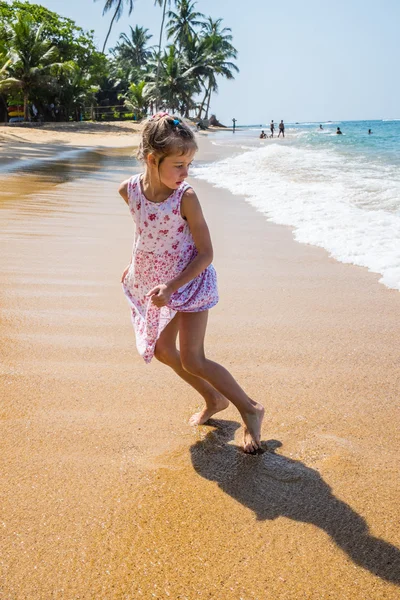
(170, 283)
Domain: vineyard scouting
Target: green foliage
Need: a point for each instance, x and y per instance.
(176, 84)
(72, 45)
(137, 99)
(133, 50)
(32, 59)
(216, 43)
(204, 50)
(73, 42)
(77, 90)
(183, 23)
(47, 59)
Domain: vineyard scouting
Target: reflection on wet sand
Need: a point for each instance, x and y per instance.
(275, 486)
(37, 176)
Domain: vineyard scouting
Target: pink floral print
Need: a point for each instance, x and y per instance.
(163, 247)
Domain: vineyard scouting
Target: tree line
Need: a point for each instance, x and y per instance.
(50, 68)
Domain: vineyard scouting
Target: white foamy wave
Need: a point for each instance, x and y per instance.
(298, 133)
(232, 145)
(347, 206)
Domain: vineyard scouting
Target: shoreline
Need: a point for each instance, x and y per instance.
(324, 195)
(108, 490)
(20, 146)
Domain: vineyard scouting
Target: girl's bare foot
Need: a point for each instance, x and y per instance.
(252, 429)
(213, 405)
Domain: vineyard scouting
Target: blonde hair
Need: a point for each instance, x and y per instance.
(164, 134)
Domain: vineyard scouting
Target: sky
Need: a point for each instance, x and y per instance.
(299, 60)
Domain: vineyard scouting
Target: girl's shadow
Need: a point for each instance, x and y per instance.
(273, 486)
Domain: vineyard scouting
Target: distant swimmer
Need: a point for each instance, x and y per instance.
(369, 131)
(263, 135)
(338, 132)
(321, 127)
(281, 129)
(272, 128)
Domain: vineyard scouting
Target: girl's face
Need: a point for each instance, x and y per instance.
(174, 169)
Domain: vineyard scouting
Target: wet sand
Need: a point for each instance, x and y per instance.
(106, 492)
(21, 145)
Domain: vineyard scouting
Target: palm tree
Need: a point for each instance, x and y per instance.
(219, 50)
(212, 28)
(77, 91)
(111, 86)
(4, 64)
(181, 24)
(162, 3)
(31, 59)
(196, 54)
(119, 8)
(176, 83)
(133, 49)
(136, 99)
(219, 66)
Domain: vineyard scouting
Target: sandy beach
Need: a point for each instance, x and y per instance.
(106, 492)
(21, 144)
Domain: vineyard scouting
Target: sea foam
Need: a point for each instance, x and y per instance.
(346, 204)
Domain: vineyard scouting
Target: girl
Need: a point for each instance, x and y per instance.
(170, 283)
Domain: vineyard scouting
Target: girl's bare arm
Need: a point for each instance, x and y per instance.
(123, 190)
(191, 209)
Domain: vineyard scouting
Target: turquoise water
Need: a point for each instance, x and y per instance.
(339, 192)
(382, 145)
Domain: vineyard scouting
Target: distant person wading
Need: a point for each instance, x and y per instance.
(272, 128)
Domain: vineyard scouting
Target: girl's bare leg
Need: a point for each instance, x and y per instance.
(192, 329)
(167, 353)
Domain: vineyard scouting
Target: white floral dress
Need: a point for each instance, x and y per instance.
(162, 249)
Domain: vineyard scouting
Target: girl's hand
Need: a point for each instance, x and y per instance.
(160, 295)
(124, 273)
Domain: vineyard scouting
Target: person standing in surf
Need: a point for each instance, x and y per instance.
(272, 128)
(170, 282)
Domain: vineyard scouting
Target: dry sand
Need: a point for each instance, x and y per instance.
(107, 493)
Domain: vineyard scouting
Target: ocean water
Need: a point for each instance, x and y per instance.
(339, 192)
